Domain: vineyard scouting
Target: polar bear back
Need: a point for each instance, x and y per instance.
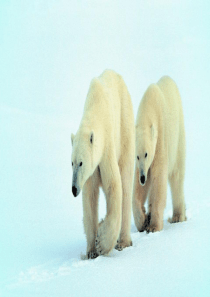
(173, 120)
(109, 105)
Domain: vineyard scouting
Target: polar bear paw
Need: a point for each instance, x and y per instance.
(154, 227)
(106, 239)
(123, 244)
(177, 218)
(92, 254)
(146, 223)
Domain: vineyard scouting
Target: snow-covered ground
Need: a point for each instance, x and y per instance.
(50, 50)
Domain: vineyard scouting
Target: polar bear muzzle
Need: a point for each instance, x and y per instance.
(75, 190)
(75, 187)
(142, 179)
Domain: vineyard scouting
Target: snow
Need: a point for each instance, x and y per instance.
(50, 51)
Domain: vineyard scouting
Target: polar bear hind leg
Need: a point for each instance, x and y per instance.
(176, 181)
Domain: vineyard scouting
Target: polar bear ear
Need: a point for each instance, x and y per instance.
(153, 131)
(91, 137)
(72, 138)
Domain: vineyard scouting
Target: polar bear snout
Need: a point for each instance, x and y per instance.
(74, 191)
(75, 183)
(142, 179)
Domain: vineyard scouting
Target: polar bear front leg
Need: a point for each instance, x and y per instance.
(90, 196)
(139, 197)
(126, 171)
(157, 201)
(109, 228)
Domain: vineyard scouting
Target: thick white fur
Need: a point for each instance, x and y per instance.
(105, 144)
(160, 133)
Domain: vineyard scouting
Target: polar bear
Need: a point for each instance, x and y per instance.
(160, 156)
(103, 154)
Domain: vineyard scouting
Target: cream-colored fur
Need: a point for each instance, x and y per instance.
(160, 134)
(103, 155)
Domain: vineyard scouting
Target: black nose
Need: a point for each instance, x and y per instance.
(74, 191)
(142, 179)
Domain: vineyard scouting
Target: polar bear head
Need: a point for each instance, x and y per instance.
(146, 140)
(84, 158)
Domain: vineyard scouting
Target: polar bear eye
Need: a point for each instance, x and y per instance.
(80, 164)
(145, 155)
(137, 157)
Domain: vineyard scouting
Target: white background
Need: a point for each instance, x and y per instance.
(49, 52)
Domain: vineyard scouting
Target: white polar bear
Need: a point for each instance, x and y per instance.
(103, 155)
(160, 155)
